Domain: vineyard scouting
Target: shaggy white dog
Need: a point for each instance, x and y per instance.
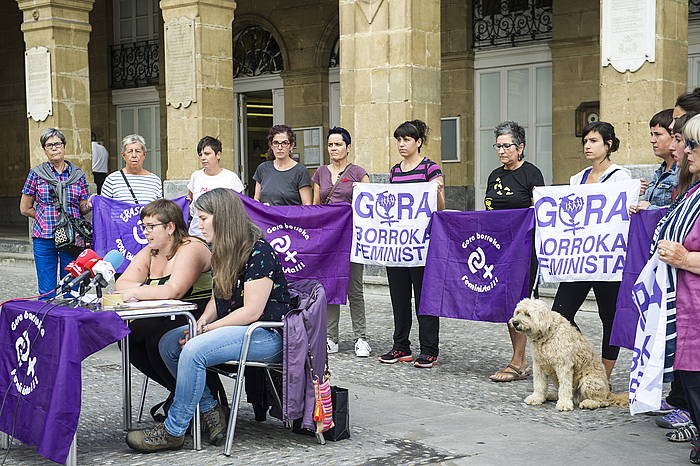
(562, 353)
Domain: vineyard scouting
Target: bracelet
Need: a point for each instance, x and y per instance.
(204, 328)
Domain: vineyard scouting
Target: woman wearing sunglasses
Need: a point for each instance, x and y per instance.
(281, 180)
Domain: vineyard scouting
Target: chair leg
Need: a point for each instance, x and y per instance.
(233, 415)
(144, 387)
(274, 389)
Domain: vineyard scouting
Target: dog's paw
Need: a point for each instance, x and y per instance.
(591, 404)
(552, 396)
(565, 405)
(534, 400)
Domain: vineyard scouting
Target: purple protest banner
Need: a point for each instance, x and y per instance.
(311, 242)
(642, 226)
(40, 371)
(478, 264)
(115, 226)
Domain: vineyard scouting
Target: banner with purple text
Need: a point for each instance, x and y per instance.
(581, 230)
(647, 371)
(116, 226)
(389, 222)
(642, 226)
(478, 265)
(40, 370)
(311, 241)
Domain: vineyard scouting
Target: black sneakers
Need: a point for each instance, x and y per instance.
(425, 361)
(394, 356)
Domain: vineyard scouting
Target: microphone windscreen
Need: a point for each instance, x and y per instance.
(85, 256)
(115, 258)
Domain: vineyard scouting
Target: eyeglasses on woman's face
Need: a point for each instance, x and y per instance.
(53, 145)
(284, 143)
(505, 147)
(148, 227)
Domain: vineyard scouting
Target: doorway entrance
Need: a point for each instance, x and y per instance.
(256, 110)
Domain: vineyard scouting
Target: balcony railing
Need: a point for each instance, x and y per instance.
(498, 23)
(135, 64)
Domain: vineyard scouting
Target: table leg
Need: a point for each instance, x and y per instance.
(4, 441)
(72, 458)
(126, 384)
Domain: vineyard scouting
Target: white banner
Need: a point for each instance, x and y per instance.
(389, 222)
(647, 372)
(581, 230)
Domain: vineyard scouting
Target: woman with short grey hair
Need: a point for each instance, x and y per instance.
(510, 187)
(133, 183)
(53, 190)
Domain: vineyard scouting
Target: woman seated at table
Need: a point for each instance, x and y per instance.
(173, 265)
(249, 285)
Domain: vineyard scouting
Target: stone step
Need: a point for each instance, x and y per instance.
(14, 259)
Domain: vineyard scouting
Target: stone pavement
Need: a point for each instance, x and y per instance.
(451, 414)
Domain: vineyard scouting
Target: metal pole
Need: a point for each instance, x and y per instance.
(4, 441)
(126, 384)
(196, 434)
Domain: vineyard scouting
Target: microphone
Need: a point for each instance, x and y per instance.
(86, 274)
(76, 267)
(103, 270)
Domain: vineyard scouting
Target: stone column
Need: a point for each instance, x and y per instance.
(629, 100)
(211, 111)
(389, 73)
(64, 28)
(575, 47)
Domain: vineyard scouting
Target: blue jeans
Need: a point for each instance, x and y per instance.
(189, 365)
(46, 259)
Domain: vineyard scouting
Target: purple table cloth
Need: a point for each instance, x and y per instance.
(40, 369)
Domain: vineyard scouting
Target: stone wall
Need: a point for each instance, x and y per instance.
(575, 79)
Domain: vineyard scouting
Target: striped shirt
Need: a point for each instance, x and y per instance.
(426, 170)
(146, 188)
(46, 217)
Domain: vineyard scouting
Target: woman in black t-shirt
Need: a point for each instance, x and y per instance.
(249, 285)
(510, 187)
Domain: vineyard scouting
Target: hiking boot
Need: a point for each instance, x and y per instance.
(425, 361)
(362, 348)
(675, 419)
(394, 356)
(154, 439)
(215, 422)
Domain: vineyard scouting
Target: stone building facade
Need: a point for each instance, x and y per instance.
(176, 70)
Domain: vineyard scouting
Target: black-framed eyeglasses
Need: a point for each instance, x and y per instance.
(691, 144)
(498, 147)
(280, 143)
(53, 145)
(148, 227)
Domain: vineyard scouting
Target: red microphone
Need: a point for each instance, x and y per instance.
(78, 269)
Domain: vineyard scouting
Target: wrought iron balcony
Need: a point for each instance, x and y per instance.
(135, 64)
(498, 23)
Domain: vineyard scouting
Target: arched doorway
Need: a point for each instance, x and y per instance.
(257, 64)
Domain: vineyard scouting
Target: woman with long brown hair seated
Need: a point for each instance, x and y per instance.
(173, 265)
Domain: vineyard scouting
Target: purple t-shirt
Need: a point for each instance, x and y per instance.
(343, 193)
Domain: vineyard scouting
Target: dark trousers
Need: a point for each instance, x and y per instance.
(571, 295)
(676, 396)
(99, 180)
(691, 386)
(403, 281)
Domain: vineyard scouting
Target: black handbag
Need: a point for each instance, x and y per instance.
(341, 415)
(71, 235)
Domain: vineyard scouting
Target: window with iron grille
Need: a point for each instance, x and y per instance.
(256, 52)
(498, 23)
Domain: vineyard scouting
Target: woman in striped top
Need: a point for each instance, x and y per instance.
(414, 168)
(133, 183)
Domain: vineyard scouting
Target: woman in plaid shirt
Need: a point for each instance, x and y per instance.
(39, 202)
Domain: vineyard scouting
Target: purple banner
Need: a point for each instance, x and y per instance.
(40, 355)
(478, 264)
(642, 226)
(116, 226)
(311, 242)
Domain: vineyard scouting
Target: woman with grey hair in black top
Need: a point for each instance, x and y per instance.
(510, 187)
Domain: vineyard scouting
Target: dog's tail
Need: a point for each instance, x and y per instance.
(619, 399)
